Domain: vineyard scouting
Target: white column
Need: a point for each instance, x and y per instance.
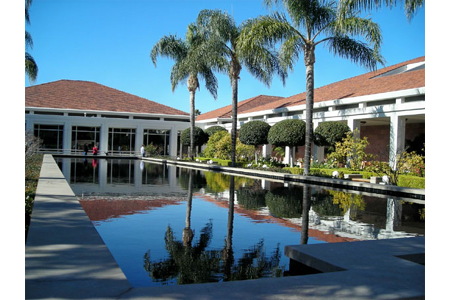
(354, 124)
(139, 141)
(104, 138)
(397, 138)
(267, 150)
(287, 155)
(173, 142)
(67, 137)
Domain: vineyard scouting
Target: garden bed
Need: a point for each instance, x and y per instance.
(32, 170)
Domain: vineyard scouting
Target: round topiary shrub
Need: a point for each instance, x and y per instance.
(200, 137)
(328, 133)
(289, 133)
(213, 129)
(254, 133)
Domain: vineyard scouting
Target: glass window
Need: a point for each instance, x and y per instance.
(121, 139)
(82, 135)
(159, 139)
(51, 135)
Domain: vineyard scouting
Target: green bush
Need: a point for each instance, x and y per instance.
(290, 132)
(403, 180)
(210, 150)
(33, 165)
(254, 133)
(328, 133)
(411, 181)
(213, 129)
(219, 146)
(200, 137)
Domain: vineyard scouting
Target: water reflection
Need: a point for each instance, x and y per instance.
(334, 211)
(228, 227)
(198, 263)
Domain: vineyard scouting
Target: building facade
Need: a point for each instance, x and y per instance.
(67, 115)
(386, 106)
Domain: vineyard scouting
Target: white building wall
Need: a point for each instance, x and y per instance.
(105, 123)
(394, 112)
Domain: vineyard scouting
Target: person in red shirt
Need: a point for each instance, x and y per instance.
(95, 150)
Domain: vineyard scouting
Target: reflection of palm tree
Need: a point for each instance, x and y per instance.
(255, 264)
(228, 256)
(188, 264)
(195, 264)
(305, 214)
(188, 235)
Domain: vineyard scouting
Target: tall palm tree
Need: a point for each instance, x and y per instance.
(222, 34)
(31, 68)
(314, 22)
(192, 61)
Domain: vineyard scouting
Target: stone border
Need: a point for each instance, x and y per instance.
(408, 194)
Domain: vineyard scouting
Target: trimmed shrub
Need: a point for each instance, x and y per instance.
(254, 133)
(213, 129)
(289, 133)
(200, 137)
(328, 133)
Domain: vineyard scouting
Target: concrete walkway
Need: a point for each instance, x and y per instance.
(65, 258)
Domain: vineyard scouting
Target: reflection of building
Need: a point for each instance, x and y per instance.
(388, 107)
(382, 220)
(68, 114)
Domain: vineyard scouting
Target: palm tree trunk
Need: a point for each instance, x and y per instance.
(234, 100)
(192, 105)
(192, 87)
(309, 63)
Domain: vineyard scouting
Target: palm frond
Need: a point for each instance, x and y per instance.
(28, 40)
(358, 27)
(356, 51)
(169, 46)
(266, 30)
(411, 6)
(216, 23)
(31, 68)
(211, 82)
(290, 52)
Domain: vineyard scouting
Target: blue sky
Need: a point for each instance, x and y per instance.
(109, 41)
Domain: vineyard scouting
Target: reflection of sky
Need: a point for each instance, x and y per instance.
(130, 237)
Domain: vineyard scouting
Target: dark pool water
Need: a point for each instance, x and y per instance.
(167, 225)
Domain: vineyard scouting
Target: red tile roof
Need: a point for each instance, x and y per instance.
(86, 95)
(243, 106)
(366, 84)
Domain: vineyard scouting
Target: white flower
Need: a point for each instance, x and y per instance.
(335, 174)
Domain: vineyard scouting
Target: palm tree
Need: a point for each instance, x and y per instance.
(31, 68)
(312, 23)
(223, 35)
(192, 60)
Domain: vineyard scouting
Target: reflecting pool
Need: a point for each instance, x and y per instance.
(168, 225)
